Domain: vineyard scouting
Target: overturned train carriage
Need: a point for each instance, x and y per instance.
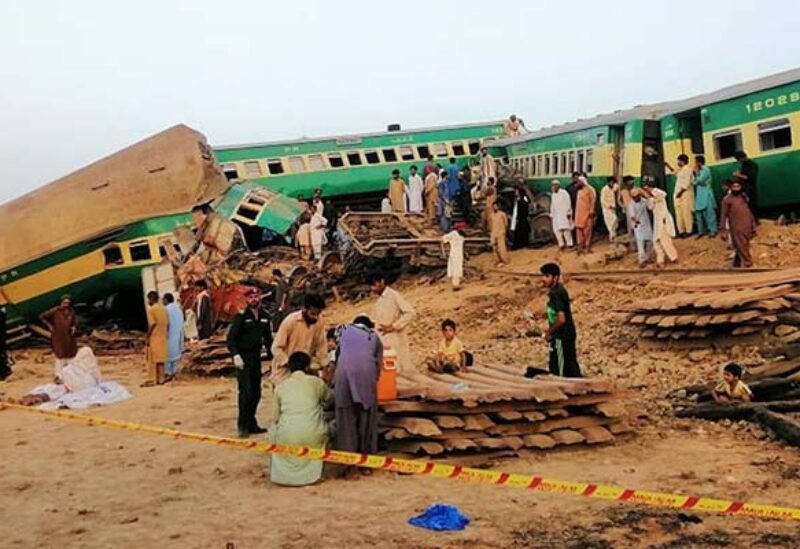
(90, 233)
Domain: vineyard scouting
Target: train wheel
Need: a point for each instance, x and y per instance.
(541, 230)
(331, 263)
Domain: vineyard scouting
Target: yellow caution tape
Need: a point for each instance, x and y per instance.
(443, 470)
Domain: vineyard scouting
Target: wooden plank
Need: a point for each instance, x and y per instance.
(456, 444)
(507, 416)
(620, 428)
(534, 415)
(396, 434)
(417, 447)
(477, 422)
(546, 426)
(448, 421)
(414, 425)
(567, 436)
(597, 435)
(543, 442)
(611, 409)
(515, 443)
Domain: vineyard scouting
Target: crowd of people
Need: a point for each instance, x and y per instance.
(643, 212)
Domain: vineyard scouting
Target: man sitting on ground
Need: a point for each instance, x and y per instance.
(450, 356)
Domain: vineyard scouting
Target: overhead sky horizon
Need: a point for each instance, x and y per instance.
(84, 79)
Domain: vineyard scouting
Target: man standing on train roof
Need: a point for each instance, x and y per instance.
(748, 175)
(488, 167)
(301, 331)
(392, 316)
(585, 214)
(683, 196)
(705, 205)
(431, 194)
(511, 127)
(397, 192)
(561, 215)
(249, 333)
(608, 203)
(560, 333)
(415, 190)
(62, 323)
(737, 215)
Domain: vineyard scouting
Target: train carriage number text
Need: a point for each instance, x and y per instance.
(771, 102)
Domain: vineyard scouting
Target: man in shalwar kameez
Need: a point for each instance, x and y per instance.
(737, 214)
(397, 192)
(392, 315)
(683, 196)
(431, 195)
(358, 366)
(585, 214)
(663, 225)
(318, 238)
(455, 258)
(561, 215)
(415, 190)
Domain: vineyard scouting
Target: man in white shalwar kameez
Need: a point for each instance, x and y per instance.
(392, 316)
(318, 238)
(561, 215)
(608, 203)
(663, 225)
(414, 191)
(455, 259)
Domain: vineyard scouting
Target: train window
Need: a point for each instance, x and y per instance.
(458, 149)
(474, 147)
(440, 150)
(563, 164)
(389, 155)
(316, 162)
(252, 168)
(407, 153)
(423, 151)
(531, 168)
(275, 166)
(354, 158)
(547, 165)
(296, 164)
(572, 167)
(588, 165)
(140, 250)
(540, 165)
(230, 171)
(580, 167)
(336, 160)
(532, 161)
(775, 134)
(372, 157)
(112, 255)
(600, 139)
(726, 144)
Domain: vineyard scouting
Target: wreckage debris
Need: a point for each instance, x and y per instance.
(704, 306)
(495, 408)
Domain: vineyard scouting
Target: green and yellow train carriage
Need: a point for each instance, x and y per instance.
(354, 166)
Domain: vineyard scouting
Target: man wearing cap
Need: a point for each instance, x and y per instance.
(250, 331)
(301, 331)
(561, 215)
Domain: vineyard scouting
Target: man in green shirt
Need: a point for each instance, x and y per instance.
(250, 331)
(561, 328)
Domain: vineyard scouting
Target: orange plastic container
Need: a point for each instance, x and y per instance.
(387, 380)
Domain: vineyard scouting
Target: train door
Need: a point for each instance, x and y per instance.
(617, 139)
(691, 129)
(653, 154)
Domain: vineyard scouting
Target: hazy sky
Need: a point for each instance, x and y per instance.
(81, 79)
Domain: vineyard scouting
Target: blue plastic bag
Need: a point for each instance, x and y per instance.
(440, 517)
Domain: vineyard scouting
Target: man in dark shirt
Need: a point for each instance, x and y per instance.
(561, 328)
(250, 331)
(748, 175)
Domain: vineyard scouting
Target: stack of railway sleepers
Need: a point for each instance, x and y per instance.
(496, 408)
(737, 304)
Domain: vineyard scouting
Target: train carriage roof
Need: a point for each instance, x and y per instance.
(165, 174)
(657, 111)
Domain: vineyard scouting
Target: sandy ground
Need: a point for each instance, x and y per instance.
(70, 485)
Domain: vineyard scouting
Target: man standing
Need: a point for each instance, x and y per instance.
(250, 331)
(318, 237)
(452, 179)
(511, 127)
(625, 198)
(301, 331)
(282, 291)
(393, 313)
(490, 192)
(499, 233)
(488, 166)
(455, 258)
(561, 332)
(748, 175)
(663, 224)
(683, 196)
(608, 202)
(397, 192)
(355, 386)
(736, 214)
(430, 167)
(156, 350)
(302, 237)
(639, 221)
(204, 311)
(445, 207)
(705, 205)
(585, 214)
(431, 194)
(415, 189)
(175, 336)
(561, 215)
(62, 324)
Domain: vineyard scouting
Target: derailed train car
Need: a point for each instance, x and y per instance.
(90, 233)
